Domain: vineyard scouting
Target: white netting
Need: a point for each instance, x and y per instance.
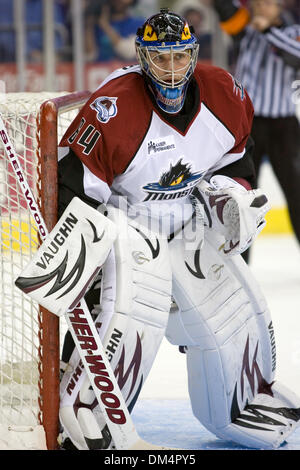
(19, 317)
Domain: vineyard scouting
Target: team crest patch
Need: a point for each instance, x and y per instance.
(175, 183)
(106, 108)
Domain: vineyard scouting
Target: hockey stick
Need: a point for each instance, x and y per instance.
(96, 364)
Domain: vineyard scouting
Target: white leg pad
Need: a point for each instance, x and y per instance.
(136, 299)
(267, 421)
(223, 319)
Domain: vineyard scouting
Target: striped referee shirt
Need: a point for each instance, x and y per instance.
(264, 68)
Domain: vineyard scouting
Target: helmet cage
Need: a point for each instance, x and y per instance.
(177, 75)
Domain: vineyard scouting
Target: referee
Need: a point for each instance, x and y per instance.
(268, 63)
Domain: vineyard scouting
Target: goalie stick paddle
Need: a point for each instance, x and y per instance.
(96, 364)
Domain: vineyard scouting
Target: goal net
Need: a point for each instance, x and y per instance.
(29, 335)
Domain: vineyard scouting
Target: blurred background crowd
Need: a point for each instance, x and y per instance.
(109, 25)
(109, 28)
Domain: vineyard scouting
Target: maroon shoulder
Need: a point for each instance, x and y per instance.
(120, 112)
(227, 99)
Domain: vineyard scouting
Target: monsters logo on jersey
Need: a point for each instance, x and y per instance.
(175, 183)
(106, 108)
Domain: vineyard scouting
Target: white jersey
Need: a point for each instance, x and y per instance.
(128, 148)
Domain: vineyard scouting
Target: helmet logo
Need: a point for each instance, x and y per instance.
(149, 34)
(186, 34)
(157, 34)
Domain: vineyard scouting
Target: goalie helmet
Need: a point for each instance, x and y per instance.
(167, 52)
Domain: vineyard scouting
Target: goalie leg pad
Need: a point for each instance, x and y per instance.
(223, 319)
(137, 293)
(267, 421)
(131, 346)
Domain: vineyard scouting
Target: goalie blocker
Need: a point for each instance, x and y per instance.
(69, 258)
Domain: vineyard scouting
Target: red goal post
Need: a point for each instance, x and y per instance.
(48, 120)
(29, 335)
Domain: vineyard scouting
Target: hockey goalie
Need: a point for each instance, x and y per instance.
(163, 150)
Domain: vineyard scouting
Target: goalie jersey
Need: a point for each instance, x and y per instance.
(121, 144)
